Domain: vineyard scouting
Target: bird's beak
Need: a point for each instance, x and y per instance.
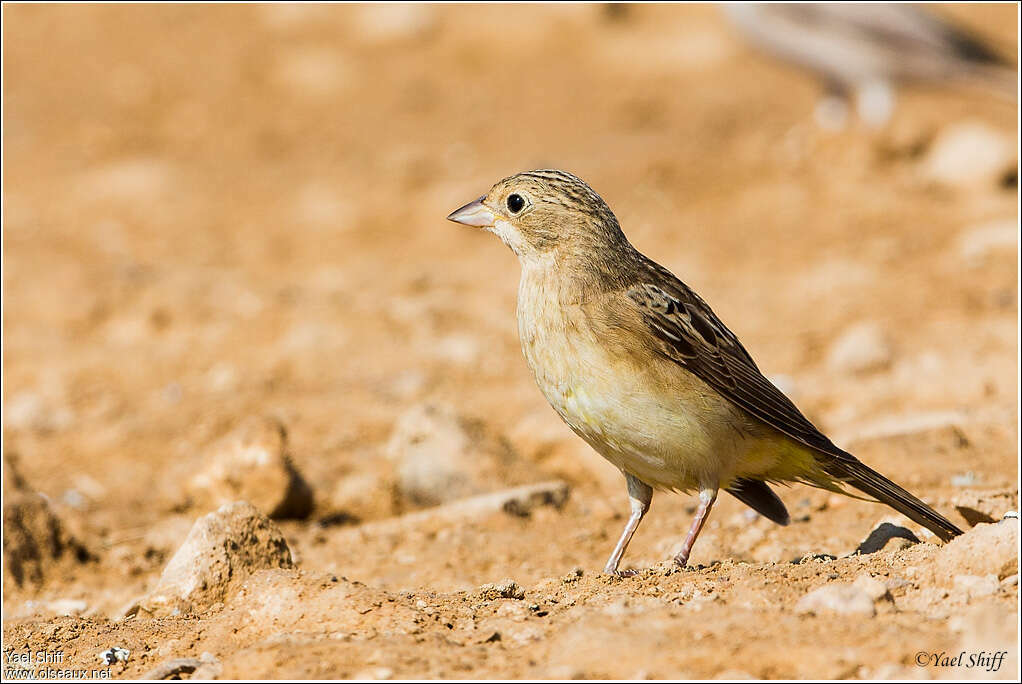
(473, 214)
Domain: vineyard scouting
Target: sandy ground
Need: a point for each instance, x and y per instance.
(215, 215)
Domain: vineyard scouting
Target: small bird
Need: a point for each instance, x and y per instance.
(639, 366)
(862, 49)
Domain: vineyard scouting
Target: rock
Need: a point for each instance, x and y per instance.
(844, 599)
(521, 501)
(222, 548)
(873, 587)
(986, 549)
(974, 586)
(114, 655)
(862, 348)
(253, 464)
(440, 456)
(31, 411)
(883, 534)
(970, 155)
(733, 674)
(211, 668)
(518, 501)
(204, 667)
(173, 669)
(506, 588)
(966, 479)
(983, 507)
(975, 244)
(362, 496)
(381, 673)
(67, 607)
(459, 349)
(36, 541)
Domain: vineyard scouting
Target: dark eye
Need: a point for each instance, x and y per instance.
(515, 203)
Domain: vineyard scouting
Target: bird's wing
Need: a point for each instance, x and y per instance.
(685, 330)
(906, 27)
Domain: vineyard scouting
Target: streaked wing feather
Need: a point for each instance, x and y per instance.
(690, 334)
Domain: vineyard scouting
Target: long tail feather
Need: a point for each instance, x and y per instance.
(869, 481)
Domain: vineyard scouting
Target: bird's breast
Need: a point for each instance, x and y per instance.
(648, 417)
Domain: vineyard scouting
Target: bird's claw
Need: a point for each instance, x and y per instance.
(622, 573)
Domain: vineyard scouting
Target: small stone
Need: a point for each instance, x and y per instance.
(506, 588)
(374, 673)
(862, 348)
(964, 479)
(31, 411)
(462, 350)
(115, 654)
(975, 586)
(970, 155)
(67, 606)
(873, 587)
(986, 549)
(211, 668)
(364, 495)
(983, 507)
(173, 669)
(253, 464)
(222, 548)
(440, 456)
(844, 599)
(36, 541)
(977, 243)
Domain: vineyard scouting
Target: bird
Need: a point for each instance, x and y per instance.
(640, 367)
(860, 50)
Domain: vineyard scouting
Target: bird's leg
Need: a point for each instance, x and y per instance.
(640, 495)
(706, 499)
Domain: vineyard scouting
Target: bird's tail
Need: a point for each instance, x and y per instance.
(857, 474)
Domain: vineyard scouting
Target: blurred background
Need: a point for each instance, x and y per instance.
(215, 215)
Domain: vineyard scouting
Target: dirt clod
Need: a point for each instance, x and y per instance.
(222, 548)
(253, 464)
(844, 599)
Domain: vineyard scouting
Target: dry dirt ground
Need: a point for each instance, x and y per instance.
(231, 218)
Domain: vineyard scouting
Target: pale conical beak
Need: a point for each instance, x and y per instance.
(473, 214)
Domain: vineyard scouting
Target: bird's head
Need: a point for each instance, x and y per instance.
(539, 212)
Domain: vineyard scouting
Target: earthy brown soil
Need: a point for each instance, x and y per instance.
(214, 213)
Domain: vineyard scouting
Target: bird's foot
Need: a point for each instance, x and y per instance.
(614, 572)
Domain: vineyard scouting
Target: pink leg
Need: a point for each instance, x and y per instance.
(706, 499)
(640, 495)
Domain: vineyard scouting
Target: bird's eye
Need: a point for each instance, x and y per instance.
(515, 203)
